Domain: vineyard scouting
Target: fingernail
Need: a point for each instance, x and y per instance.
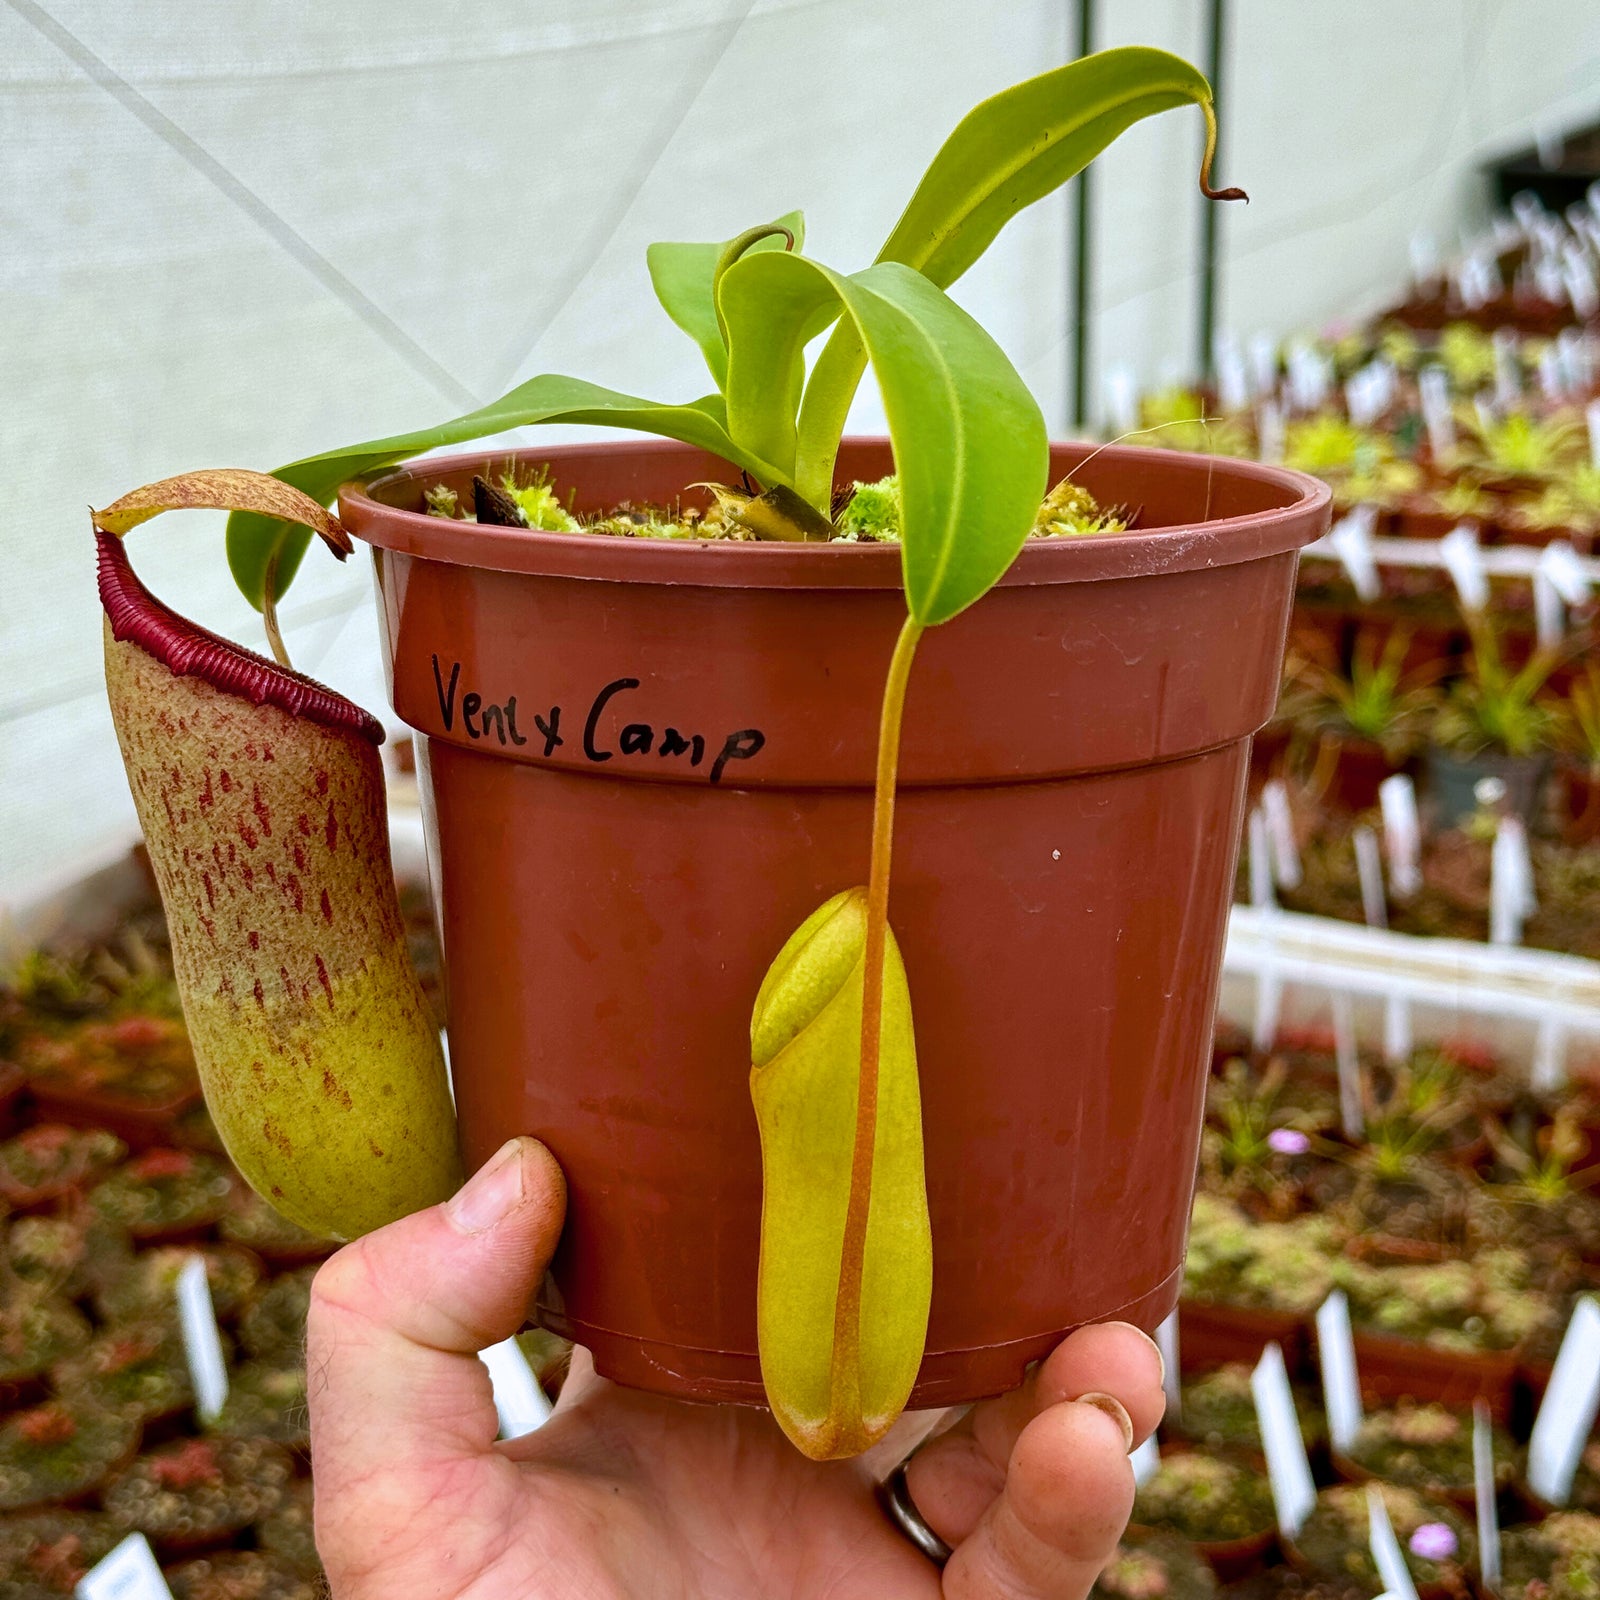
(491, 1193)
(1161, 1360)
(1114, 1409)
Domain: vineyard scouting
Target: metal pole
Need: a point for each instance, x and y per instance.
(1206, 323)
(1082, 260)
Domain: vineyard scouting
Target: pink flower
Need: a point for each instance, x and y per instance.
(1288, 1142)
(1433, 1541)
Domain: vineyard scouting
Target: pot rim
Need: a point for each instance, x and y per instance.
(366, 509)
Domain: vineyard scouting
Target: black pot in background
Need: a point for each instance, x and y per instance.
(1452, 780)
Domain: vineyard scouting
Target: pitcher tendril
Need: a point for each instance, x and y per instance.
(847, 1316)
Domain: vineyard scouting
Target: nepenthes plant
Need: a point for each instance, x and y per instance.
(846, 1256)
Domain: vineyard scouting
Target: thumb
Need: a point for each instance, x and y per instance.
(398, 1316)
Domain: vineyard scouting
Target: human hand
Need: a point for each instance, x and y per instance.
(628, 1494)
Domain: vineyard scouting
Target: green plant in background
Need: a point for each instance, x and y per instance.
(1467, 354)
(1547, 1173)
(1331, 446)
(1523, 446)
(1432, 1084)
(1175, 418)
(846, 1257)
(1384, 485)
(1399, 346)
(1464, 498)
(1496, 709)
(1580, 721)
(1377, 700)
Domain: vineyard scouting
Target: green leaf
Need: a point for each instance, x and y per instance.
(1008, 152)
(255, 542)
(682, 276)
(837, 1383)
(773, 304)
(1023, 144)
(970, 444)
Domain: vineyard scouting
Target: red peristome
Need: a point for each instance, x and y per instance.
(191, 651)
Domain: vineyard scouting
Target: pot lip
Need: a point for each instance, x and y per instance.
(707, 563)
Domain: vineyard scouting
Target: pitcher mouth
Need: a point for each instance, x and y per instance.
(187, 650)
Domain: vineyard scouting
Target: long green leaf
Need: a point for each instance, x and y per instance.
(681, 275)
(1008, 152)
(772, 307)
(255, 542)
(969, 441)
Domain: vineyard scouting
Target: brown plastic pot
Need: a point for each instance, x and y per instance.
(13, 1097)
(1212, 1335)
(140, 1122)
(1232, 1560)
(1579, 784)
(1405, 1369)
(643, 763)
(1353, 768)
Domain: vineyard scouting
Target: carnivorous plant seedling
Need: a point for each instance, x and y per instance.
(846, 1257)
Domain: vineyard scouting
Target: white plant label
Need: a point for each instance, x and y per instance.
(1171, 1380)
(1280, 834)
(1369, 868)
(1569, 357)
(1560, 564)
(1591, 414)
(1552, 376)
(1424, 259)
(1397, 1044)
(1584, 354)
(520, 1403)
(1233, 380)
(1269, 431)
(1511, 896)
(128, 1573)
(1122, 400)
(1548, 1070)
(1362, 398)
(1309, 378)
(1351, 538)
(202, 1343)
(1336, 1353)
(1402, 835)
(1568, 1410)
(1258, 843)
(1264, 363)
(1434, 386)
(1269, 1002)
(1352, 1115)
(1293, 1493)
(1393, 1572)
(1145, 1460)
(1525, 205)
(1463, 560)
(1549, 614)
(1577, 278)
(1549, 282)
(1483, 1488)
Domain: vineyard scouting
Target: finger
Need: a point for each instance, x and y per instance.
(397, 1319)
(955, 1478)
(581, 1379)
(1068, 1491)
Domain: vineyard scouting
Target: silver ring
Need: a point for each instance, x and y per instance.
(895, 1498)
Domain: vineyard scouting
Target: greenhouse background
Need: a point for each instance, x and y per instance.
(237, 233)
(849, 975)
